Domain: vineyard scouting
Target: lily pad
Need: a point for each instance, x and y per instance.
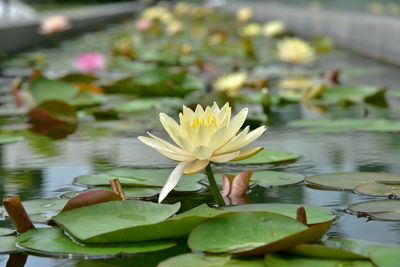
(191, 259)
(379, 189)
(250, 233)
(130, 192)
(148, 104)
(315, 214)
(53, 241)
(121, 217)
(7, 245)
(6, 231)
(349, 180)
(386, 257)
(351, 95)
(278, 260)
(336, 248)
(269, 156)
(142, 177)
(44, 89)
(5, 138)
(387, 210)
(53, 111)
(42, 210)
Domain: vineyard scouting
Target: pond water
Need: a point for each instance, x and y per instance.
(42, 168)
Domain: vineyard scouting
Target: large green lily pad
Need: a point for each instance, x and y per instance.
(315, 214)
(386, 257)
(122, 216)
(191, 259)
(351, 95)
(7, 245)
(271, 178)
(6, 231)
(379, 189)
(53, 241)
(269, 156)
(5, 138)
(378, 209)
(283, 260)
(130, 192)
(242, 232)
(142, 177)
(44, 89)
(349, 180)
(42, 210)
(336, 248)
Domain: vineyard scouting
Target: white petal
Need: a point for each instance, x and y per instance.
(163, 150)
(166, 144)
(236, 123)
(217, 138)
(171, 127)
(196, 166)
(220, 158)
(238, 138)
(202, 152)
(201, 136)
(186, 144)
(188, 114)
(173, 180)
(250, 137)
(199, 112)
(215, 107)
(245, 153)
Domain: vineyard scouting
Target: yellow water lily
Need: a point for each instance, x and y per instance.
(273, 28)
(244, 14)
(158, 13)
(230, 83)
(203, 136)
(251, 30)
(295, 51)
(297, 82)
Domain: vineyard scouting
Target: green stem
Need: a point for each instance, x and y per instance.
(214, 186)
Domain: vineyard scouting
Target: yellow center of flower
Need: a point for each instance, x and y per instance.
(204, 121)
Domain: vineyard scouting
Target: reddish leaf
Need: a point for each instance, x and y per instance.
(18, 214)
(90, 198)
(53, 111)
(332, 77)
(301, 215)
(236, 186)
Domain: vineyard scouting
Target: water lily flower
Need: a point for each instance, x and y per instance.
(143, 24)
(251, 30)
(297, 82)
(158, 13)
(90, 62)
(273, 28)
(182, 8)
(230, 83)
(295, 51)
(174, 27)
(244, 14)
(57, 23)
(203, 136)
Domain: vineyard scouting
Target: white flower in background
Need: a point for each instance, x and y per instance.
(57, 23)
(244, 14)
(251, 30)
(203, 136)
(295, 51)
(174, 27)
(295, 83)
(158, 13)
(230, 83)
(273, 28)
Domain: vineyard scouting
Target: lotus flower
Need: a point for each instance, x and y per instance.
(203, 136)
(143, 25)
(273, 28)
(90, 62)
(54, 24)
(295, 51)
(244, 14)
(230, 83)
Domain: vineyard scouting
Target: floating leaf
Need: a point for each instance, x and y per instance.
(283, 260)
(147, 104)
(388, 210)
(6, 231)
(142, 177)
(251, 233)
(387, 257)
(351, 95)
(336, 248)
(54, 241)
(5, 138)
(41, 210)
(272, 178)
(7, 245)
(269, 156)
(44, 89)
(315, 214)
(53, 111)
(191, 259)
(122, 216)
(349, 180)
(90, 198)
(379, 189)
(130, 192)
